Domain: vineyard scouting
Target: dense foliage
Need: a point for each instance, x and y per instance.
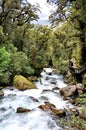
(23, 46)
(32, 47)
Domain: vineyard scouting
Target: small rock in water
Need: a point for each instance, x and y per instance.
(1, 94)
(1, 87)
(58, 112)
(56, 88)
(22, 110)
(2, 109)
(33, 99)
(47, 106)
(53, 82)
(46, 90)
(43, 98)
(52, 108)
(47, 78)
(10, 87)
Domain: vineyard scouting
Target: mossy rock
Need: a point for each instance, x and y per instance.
(21, 83)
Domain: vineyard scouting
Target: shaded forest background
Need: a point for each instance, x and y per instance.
(26, 48)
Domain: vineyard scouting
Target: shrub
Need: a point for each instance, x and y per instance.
(4, 66)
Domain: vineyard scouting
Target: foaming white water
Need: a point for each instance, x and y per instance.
(36, 119)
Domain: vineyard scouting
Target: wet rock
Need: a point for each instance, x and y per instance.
(53, 82)
(11, 96)
(58, 112)
(1, 93)
(33, 99)
(43, 98)
(10, 88)
(56, 88)
(47, 106)
(46, 90)
(1, 87)
(43, 107)
(68, 91)
(74, 111)
(52, 108)
(50, 104)
(79, 88)
(32, 78)
(2, 109)
(22, 110)
(22, 83)
(47, 78)
(71, 90)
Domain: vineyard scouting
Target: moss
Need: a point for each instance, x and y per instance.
(22, 83)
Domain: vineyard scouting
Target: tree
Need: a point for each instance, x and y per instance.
(73, 12)
(15, 13)
(38, 46)
(4, 66)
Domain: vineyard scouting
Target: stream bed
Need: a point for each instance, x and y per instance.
(36, 119)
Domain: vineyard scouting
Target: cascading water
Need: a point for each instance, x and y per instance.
(36, 119)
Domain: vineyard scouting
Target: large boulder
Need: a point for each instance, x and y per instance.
(68, 91)
(21, 83)
(72, 90)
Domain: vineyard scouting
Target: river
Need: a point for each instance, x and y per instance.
(36, 119)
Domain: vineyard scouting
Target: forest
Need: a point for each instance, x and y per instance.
(26, 48)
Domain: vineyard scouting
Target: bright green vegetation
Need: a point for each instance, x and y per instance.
(27, 48)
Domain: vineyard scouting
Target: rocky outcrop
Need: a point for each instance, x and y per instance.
(72, 90)
(21, 83)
